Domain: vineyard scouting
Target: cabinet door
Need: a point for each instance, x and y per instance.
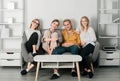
(109, 62)
(109, 54)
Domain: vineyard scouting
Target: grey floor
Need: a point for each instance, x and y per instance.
(101, 74)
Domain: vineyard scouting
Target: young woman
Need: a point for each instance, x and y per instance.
(50, 37)
(70, 43)
(33, 41)
(88, 40)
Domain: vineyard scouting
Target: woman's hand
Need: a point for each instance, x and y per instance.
(47, 39)
(67, 44)
(49, 51)
(78, 32)
(54, 39)
(83, 43)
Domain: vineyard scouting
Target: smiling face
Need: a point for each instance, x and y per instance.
(84, 22)
(35, 24)
(54, 24)
(67, 25)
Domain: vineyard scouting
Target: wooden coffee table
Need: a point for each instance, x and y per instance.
(58, 61)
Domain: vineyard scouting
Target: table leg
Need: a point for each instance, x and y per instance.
(37, 71)
(78, 71)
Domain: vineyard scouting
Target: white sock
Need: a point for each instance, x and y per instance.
(34, 52)
(72, 70)
(27, 70)
(57, 74)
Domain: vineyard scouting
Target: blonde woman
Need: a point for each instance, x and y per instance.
(88, 40)
(33, 42)
(51, 38)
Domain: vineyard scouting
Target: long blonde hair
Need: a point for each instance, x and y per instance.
(86, 18)
(38, 27)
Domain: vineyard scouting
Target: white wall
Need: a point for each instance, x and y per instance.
(47, 10)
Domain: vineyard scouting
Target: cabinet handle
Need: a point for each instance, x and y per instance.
(109, 52)
(10, 52)
(9, 59)
(109, 59)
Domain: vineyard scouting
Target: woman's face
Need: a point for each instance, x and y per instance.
(67, 25)
(54, 25)
(35, 24)
(84, 22)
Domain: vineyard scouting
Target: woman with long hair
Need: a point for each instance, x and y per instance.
(88, 39)
(33, 42)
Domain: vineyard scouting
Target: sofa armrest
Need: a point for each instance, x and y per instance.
(26, 57)
(96, 52)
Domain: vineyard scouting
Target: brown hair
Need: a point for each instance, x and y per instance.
(56, 20)
(38, 27)
(86, 18)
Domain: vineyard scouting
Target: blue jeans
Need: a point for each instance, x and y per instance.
(74, 49)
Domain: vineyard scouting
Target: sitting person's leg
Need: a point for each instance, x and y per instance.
(32, 64)
(31, 44)
(29, 67)
(86, 60)
(46, 41)
(74, 49)
(46, 47)
(31, 48)
(57, 51)
(53, 44)
(55, 74)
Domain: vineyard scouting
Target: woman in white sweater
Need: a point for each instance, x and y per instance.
(33, 42)
(33, 37)
(88, 39)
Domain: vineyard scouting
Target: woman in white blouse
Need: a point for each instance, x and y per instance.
(88, 39)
